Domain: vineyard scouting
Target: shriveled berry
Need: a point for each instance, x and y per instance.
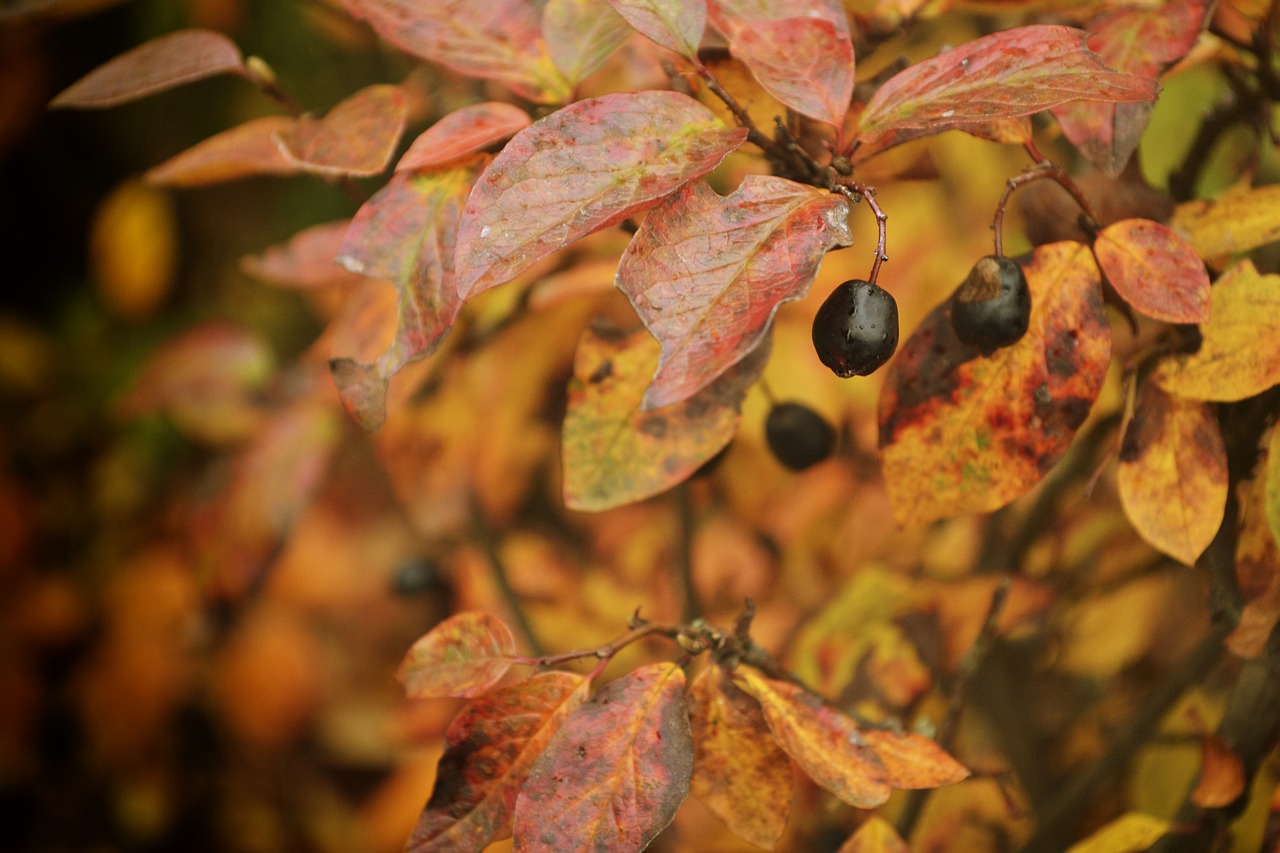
(798, 436)
(856, 329)
(992, 309)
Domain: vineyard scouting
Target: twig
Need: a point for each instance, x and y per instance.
(483, 535)
(1042, 168)
(606, 652)
(857, 191)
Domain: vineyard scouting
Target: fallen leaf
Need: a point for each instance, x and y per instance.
(463, 656)
(491, 39)
(616, 452)
(706, 273)
(356, 138)
(162, 63)
(1154, 270)
(962, 433)
(674, 24)
(1173, 473)
(1240, 352)
(739, 772)
(580, 169)
(489, 748)
(462, 132)
(614, 774)
(824, 742)
(241, 152)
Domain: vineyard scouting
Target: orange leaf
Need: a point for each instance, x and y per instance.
(489, 749)
(246, 150)
(963, 433)
(739, 772)
(614, 774)
(162, 63)
(877, 835)
(614, 452)
(1173, 473)
(357, 137)
(1240, 353)
(1221, 780)
(913, 760)
(824, 742)
(463, 656)
(1155, 270)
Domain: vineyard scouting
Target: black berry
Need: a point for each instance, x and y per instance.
(993, 307)
(798, 436)
(856, 329)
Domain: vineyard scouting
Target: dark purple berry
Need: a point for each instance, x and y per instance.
(856, 329)
(992, 309)
(798, 436)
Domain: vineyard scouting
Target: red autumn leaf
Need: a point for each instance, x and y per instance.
(309, 259)
(960, 433)
(241, 152)
(1239, 353)
(1221, 780)
(463, 656)
(581, 34)
(824, 742)
(580, 169)
(877, 835)
(489, 749)
(491, 39)
(463, 132)
(1007, 74)
(801, 53)
(614, 774)
(1142, 41)
(405, 234)
(739, 772)
(1173, 473)
(162, 63)
(674, 24)
(1154, 270)
(615, 452)
(205, 380)
(357, 137)
(912, 760)
(706, 272)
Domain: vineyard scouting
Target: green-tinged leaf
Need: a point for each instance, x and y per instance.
(491, 39)
(614, 774)
(674, 24)
(583, 168)
(706, 273)
(162, 63)
(614, 451)
(489, 749)
(824, 742)
(1173, 473)
(962, 433)
(1154, 270)
(1011, 73)
(1239, 355)
(405, 234)
(581, 34)
(356, 138)
(463, 656)
(739, 772)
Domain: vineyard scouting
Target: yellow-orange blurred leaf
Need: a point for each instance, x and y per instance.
(463, 656)
(1272, 487)
(823, 741)
(913, 761)
(240, 152)
(1257, 567)
(1173, 473)
(133, 249)
(875, 836)
(739, 772)
(1221, 779)
(1240, 354)
(1233, 223)
(1128, 833)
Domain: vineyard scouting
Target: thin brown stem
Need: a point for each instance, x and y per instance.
(606, 652)
(484, 536)
(857, 191)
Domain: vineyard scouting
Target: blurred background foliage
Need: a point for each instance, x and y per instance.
(201, 608)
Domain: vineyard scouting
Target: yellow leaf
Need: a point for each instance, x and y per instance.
(133, 249)
(1234, 222)
(1240, 354)
(875, 836)
(1128, 833)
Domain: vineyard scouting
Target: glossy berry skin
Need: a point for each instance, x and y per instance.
(798, 436)
(856, 329)
(992, 309)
